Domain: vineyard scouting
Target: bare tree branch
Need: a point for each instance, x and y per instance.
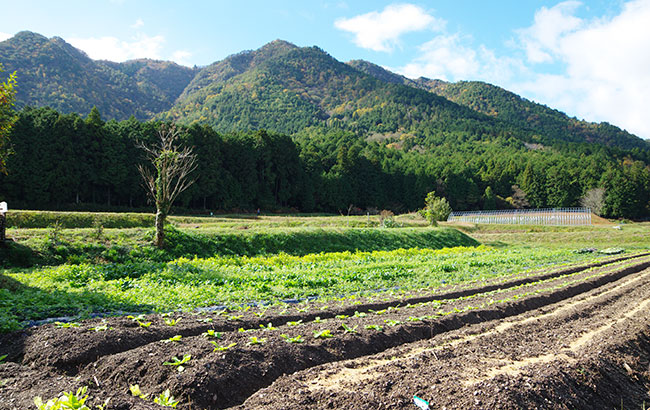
(169, 175)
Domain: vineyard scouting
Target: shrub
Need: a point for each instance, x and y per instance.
(436, 209)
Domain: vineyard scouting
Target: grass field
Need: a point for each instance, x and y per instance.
(77, 266)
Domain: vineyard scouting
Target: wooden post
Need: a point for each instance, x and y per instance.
(3, 221)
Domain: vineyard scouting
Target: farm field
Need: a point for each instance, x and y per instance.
(505, 317)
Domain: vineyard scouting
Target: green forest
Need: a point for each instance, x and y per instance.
(66, 161)
(287, 128)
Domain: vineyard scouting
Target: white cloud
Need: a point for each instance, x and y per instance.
(600, 65)
(542, 39)
(114, 49)
(606, 61)
(181, 57)
(444, 57)
(453, 57)
(138, 23)
(4, 36)
(380, 31)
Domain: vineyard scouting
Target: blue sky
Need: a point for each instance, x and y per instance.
(590, 59)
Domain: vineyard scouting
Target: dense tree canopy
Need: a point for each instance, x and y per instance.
(68, 162)
(7, 115)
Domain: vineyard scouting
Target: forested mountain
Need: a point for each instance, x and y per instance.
(287, 89)
(284, 88)
(548, 125)
(53, 73)
(338, 136)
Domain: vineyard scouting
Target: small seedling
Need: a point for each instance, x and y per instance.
(375, 327)
(391, 322)
(206, 320)
(341, 316)
(135, 391)
(256, 341)
(172, 322)
(212, 333)
(166, 399)
(323, 334)
(349, 329)
(295, 323)
(269, 326)
(218, 348)
(101, 328)
(138, 318)
(235, 318)
(295, 339)
(176, 338)
(68, 400)
(360, 314)
(2, 357)
(64, 325)
(319, 320)
(144, 324)
(178, 362)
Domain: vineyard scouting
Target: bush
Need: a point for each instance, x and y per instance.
(436, 209)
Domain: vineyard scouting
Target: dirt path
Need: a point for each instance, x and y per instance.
(568, 337)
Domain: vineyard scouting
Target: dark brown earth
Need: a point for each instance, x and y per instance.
(568, 337)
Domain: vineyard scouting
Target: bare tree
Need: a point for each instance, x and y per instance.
(168, 176)
(594, 199)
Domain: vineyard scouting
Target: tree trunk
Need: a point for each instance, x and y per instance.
(159, 241)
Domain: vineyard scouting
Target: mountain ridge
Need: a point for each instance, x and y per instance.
(286, 88)
(51, 72)
(512, 108)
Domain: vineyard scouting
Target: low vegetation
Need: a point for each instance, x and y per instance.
(236, 259)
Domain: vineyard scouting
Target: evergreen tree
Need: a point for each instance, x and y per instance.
(7, 116)
(489, 199)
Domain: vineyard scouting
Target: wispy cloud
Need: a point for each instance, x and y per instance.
(380, 31)
(542, 40)
(114, 49)
(181, 57)
(138, 23)
(454, 57)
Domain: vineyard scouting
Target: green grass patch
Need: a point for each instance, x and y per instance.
(187, 283)
(54, 246)
(67, 220)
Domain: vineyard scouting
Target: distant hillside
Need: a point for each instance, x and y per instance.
(547, 124)
(288, 89)
(53, 73)
(297, 91)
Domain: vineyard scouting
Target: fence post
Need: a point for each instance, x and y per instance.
(3, 221)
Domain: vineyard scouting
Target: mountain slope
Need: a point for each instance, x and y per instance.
(52, 72)
(298, 91)
(297, 88)
(549, 125)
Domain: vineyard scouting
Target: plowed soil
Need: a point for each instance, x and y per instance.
(575, 337)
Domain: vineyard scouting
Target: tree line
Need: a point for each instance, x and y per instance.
(66, 161)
